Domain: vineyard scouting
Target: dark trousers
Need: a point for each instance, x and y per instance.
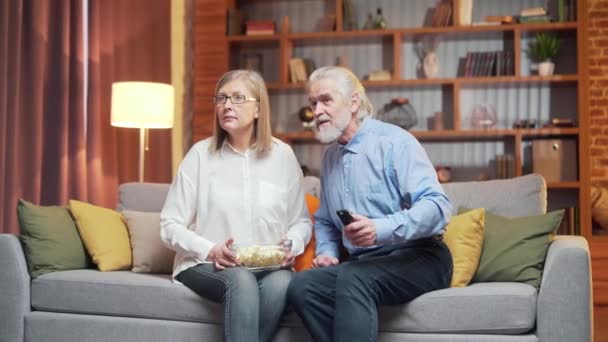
(340, 303)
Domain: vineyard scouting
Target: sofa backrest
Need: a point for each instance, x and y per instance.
(515, 197)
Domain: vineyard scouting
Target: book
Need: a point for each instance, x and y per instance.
(259, 28)
(234, 22)
(442, 15)
(534, 19)
(465, 12)
(532, 11)
(297, 70)
(561, 11)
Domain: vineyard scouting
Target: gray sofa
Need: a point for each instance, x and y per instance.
(88, 305)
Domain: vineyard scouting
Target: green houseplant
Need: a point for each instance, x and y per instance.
(542, 50)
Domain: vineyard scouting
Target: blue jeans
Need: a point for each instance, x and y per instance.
(340, 302)
(253, 302)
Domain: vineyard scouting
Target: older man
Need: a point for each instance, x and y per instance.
(382, 176)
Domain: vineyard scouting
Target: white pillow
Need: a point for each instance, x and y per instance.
(150, 255)
(311, 185)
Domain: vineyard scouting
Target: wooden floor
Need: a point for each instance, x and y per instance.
(600, 324)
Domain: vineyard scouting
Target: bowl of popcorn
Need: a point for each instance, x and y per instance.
(258, 256)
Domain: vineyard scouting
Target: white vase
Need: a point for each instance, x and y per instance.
(546, 68)
(430, 65)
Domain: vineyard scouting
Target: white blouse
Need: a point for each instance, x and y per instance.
(253, 199)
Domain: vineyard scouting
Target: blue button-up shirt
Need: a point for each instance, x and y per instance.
(383, 173)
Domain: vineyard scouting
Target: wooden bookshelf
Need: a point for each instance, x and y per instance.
(216, 53)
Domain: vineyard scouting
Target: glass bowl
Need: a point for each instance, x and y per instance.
(254, 256)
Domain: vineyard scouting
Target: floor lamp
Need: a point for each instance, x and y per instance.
(142, 105)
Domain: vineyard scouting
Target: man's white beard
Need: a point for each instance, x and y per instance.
(331, 131)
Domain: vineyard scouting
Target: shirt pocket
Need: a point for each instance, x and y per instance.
(272, 205)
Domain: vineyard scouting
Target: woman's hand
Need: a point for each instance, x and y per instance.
(289, 260)
(222, 256)
(324, 261)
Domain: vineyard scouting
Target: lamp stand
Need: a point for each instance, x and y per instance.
(142, 152)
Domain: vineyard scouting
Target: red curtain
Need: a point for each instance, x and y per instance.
(56, 142)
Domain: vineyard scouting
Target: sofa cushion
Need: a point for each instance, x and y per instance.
(485, 308)
(519, 196)
(150, 255)
(502, 308)
(50, 239)
(148, 197)
(121, 293)
(303, 261)
(514, 249)
(104, 235)
(464, 237)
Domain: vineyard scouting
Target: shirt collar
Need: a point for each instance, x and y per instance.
(355, 145)
(227, 147)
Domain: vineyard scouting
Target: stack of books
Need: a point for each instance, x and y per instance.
(491, 63)
(534, 15)
(505, 166)
(300, 69)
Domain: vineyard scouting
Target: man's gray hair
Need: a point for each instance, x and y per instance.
(348, 83)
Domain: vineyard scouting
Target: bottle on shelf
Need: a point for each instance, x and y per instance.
(369, 23)
(379, 21)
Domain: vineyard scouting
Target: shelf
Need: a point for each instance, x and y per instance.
(494, 134)
(563, 185)
(446, 81)
(253, 38)
(407, 31)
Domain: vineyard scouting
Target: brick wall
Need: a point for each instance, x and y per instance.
(598, 87)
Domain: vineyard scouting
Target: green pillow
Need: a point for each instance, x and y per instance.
(50, 239)
(514, 249)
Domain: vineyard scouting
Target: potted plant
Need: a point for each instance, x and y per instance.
(542, 50)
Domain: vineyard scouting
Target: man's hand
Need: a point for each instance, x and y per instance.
(361, 232)
(324, 261)
(222, 256)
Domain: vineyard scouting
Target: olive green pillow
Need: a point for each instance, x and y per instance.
(514, 249)
(50, 239)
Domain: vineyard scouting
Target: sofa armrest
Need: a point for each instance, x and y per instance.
(14, 289)
(565, 308)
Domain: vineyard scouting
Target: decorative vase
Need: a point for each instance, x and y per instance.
(430, 65)
(546, 68)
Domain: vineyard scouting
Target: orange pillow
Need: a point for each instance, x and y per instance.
(304, 260)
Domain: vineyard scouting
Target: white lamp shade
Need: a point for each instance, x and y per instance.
(142, 105)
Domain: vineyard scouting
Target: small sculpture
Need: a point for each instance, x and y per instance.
(483, 116)
(426, 46)
(307, 117)
(399, 112)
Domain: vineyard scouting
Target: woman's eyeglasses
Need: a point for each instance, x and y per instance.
(234, 99)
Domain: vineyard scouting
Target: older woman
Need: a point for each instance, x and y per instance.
(239, 186)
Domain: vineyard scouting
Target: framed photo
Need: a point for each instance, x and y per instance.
(252, 61)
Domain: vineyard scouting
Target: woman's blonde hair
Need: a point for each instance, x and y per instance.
(262, 133)
(348, 83)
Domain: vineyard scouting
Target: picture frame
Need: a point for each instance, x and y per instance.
(252, 61)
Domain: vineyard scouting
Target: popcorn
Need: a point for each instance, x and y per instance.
(260, 256)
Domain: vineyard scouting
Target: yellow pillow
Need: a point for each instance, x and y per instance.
(104, 235)
(464, 237)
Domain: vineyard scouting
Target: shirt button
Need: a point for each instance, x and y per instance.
(347, 190)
